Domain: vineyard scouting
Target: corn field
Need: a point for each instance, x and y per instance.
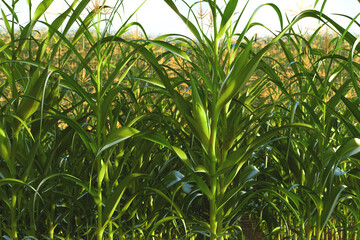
(222, 135)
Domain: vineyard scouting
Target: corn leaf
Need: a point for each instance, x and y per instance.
(117, 136)
(115, 197)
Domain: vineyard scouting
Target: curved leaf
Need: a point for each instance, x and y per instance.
(117, 136)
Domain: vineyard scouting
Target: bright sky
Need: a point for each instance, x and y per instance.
(157, 18)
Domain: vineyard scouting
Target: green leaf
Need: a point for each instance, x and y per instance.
(160, 139)
(352, 107)
(226, 19)
(76, 16)
(315, 198)
(154, 81)
(6, 181)
(233, 159)
(56, 24)
(355, 173)
(177, 51)
(6, 21)
(201, 122)
(228, 12)
(155, 137)
(161, 221)
(107, 105)
(30, 103)
(190, 25)
(348, 149)
(203, 186)
(71, 178)
(171, 202)
(84, 135)
(236, 79)
(182, 155)
(73, 85)
(5, 145)
(246, 174)
(126, 206)
(330, 203)
(41, 8)
(115, 197)
(116, 137)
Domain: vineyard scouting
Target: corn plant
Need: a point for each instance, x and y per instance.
(310, 166)
(220, 112)
(40, 106)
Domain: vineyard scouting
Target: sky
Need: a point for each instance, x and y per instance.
(157, 17)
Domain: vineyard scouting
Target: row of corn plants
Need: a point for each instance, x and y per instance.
(176, 137)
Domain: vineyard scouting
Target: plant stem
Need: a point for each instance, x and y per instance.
(213, 180)
(318, 227)
(14, 189)
(100, 229)
(213, 218)
(51, 227)
(13, 215)
(309, 232)
(111, 234)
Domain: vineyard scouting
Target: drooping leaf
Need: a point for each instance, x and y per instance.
(116, 137)
(330, 203)
(115, 197)
(175, 50)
